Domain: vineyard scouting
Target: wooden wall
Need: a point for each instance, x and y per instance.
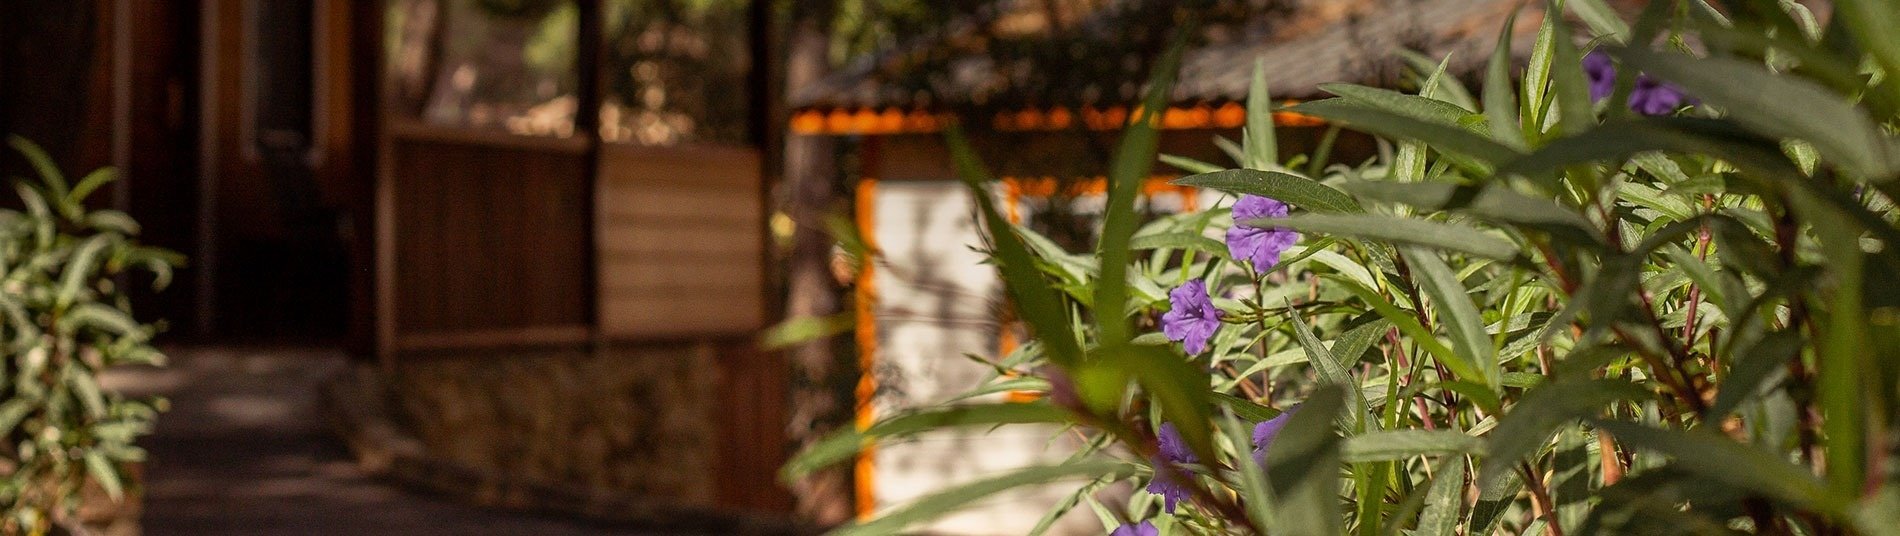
(680, 242)
(490, 240)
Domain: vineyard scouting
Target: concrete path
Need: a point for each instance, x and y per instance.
(243, 450)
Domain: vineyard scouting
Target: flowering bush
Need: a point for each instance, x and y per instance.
(1635, 291)
(64, 318)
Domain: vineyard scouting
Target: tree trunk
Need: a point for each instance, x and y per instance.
(820, 382)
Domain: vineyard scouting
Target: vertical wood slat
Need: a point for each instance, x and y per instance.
(493, 231)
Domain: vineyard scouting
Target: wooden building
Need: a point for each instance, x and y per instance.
(539, 223)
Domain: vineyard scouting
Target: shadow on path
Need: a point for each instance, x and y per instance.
(244, 450)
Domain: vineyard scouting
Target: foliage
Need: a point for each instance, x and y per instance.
(1539, 314)
(67, 319)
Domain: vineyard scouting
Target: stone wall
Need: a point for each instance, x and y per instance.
(627, 420)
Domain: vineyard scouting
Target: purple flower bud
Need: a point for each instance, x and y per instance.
(1260, 245)
(1192, 318)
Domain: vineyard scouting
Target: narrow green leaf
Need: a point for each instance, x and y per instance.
(1724, 460)
(1567, 79)
(1176, 386)
(1753, 367)
(842, 445)
(1428, 233)
(1292, 189)
(1332, 372)
(1457, 313)
(1602, 19)
(1263, 149)
(1500, 101)
(942, 502)
(1445, 501)
(105, 474)
(1529, 425)
(42, 164)
(1133, 161)
(1418, 107)
(1303, 468)
(1387, 445)
(92, 181)
(1495, 202)
(1040, 304)
(1445, 138)
(1841, 131)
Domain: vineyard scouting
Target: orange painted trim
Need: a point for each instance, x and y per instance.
(1045, 186)
(893, 120)
(1006, 337)
(864, 301)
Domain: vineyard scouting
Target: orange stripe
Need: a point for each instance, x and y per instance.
(864, 301)
(894, 120)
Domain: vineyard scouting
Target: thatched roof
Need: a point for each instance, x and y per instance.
(1105, 59)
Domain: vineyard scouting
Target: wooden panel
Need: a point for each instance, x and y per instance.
(489, 235)
(681, 236)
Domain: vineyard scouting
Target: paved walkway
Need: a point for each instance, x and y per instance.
(243, 450)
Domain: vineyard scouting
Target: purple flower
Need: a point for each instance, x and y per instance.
(1655, 97)
(1174, 451)
(1264, 433)
(1191, 318)
(1261, 245)
(1145, 528)
(1649, 96)
(1602, 74)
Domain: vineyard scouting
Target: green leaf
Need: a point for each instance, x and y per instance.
(79, 271)
(1263, 148)
(1292, 189)
(1131, 165)
(942, 502)
(1621, 139)
(1457, 314)
(1527, 426)
(1428, 233)
(1601, 18)
(1188, 164)
(1496, 202)
(105, 474)
(1184, 240)
(92, 181)
(1754, 366)
(1723, 460)
(1500, 101)
(1245, 409)
(1567, 79)
(843, 444)
(1388, 445)
(805, 329)
(104, 318)
(1445, 138)
(1777, 106)
(1414, 106)
(1174, 385)
(1332, 372)
(1872, 23)
(43, 164)
(1303, 468)
(1040, 303)
(1444, 502)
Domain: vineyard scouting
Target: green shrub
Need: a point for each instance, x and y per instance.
(66, 319)
(1653, 313)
